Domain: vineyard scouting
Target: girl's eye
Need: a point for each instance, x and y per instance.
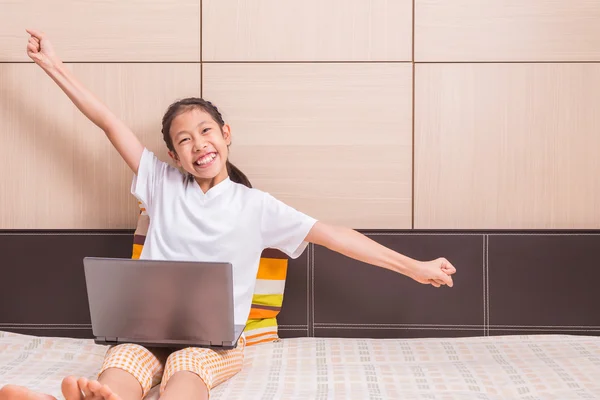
(183, 140)
(205, 130)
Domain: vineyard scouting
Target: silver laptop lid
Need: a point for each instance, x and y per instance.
(161, 302)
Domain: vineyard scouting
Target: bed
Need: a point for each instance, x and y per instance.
(495, 367)
(521, 322)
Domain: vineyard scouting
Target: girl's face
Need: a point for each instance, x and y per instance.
(200, 146)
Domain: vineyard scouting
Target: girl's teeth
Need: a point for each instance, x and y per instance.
(206, 160)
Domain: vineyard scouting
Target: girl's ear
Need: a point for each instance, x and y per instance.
(227, 134)
(175, 158)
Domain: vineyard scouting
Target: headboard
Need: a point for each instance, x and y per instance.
(508, 282)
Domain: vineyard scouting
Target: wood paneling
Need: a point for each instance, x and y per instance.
(59, 171)
(333, 140)
(507, 146)
(104, 30)
(507, 30)
(309, 30)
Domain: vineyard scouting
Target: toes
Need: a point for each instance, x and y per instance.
(96, 388)
(83, 384)
(70, 389)
(105, 392)
(102, 391)
(13, 392)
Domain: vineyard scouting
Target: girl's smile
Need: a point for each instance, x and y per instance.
(207, 160)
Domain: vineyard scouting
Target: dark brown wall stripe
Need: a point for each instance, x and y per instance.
(508, 282)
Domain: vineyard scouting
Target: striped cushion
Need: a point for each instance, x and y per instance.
(268, 298)
(268, 292)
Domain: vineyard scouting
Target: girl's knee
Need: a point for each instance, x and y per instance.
(190, 359)
(213, 367)
(138, 361)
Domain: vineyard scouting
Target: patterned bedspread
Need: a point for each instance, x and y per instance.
(501, 367)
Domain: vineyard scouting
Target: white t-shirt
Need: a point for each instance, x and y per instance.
(229, 223)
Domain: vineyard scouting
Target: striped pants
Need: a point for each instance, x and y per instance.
(151, 367)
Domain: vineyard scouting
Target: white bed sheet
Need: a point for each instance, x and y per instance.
(501, 367)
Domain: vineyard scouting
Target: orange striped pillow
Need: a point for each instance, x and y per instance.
(267, 300)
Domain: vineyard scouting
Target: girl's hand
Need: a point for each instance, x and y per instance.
(437, 272)
(40, 50)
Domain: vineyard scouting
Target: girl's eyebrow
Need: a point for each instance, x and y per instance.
(197, 126)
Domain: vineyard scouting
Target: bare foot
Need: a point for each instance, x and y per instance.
(12, 392)
(74, 389)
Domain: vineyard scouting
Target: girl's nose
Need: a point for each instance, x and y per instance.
(199, 145)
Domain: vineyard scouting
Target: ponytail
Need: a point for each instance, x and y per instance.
(236, 175)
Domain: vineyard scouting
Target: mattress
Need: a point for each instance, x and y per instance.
(497, 367)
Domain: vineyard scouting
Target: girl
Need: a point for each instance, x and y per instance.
(201, 214)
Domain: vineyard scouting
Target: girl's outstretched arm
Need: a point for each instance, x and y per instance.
(40, 50)
(355, 245)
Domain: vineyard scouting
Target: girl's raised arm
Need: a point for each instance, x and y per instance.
(40, 50)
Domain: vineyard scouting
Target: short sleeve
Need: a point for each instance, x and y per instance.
(149, 176)
(283, 227)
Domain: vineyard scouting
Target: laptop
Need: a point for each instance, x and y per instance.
(161, 303)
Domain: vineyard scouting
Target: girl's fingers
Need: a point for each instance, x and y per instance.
(434, 283)
(31, 48)
(35, 33)
(448, 268)
(443, 278)
(447, 279)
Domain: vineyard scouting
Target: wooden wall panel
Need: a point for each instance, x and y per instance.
(104, 30)
(507, 146)
(59, 171)
(333, 140)
(310, 30)
(507, 30)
